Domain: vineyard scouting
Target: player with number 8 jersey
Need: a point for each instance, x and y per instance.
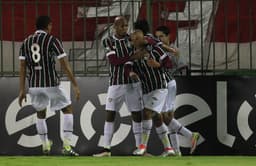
(38, 53)
(40, 50)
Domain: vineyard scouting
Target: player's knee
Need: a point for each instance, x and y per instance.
(41, 114)
(166, 118)
(170, 115)
(137, 116)
(67, 110)
(157, 119)
(110, 116)
(147, 114)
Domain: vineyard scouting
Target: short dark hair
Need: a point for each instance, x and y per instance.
(163, 29)
(142, 25)
(42, 22)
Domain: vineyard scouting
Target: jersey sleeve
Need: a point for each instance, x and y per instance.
(162, 57)
(153, 41)
(111, 53)
(58, 49)
(108, 47)
(159, 53)
(22, 52)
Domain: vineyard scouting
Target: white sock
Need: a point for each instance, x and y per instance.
(175, 141)
(175, 125)
(67, 128)
(162, 134)
(137, 131)
(146, 129)
(42, 130)
(108, 133)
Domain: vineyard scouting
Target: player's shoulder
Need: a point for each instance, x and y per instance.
(113, 38)
(26, 40)
(28, 37)
(108, 41)
(109, 38)
(53, 38)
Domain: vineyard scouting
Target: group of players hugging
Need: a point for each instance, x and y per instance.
(142, 66)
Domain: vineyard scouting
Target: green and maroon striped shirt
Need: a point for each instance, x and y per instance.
(151, 78)
(118, 52)
(39, 50)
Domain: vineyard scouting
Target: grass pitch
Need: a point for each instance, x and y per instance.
(128, 161)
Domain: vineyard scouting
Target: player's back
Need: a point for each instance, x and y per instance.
(39, 50)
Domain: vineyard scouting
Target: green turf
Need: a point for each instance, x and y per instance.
(128, 161)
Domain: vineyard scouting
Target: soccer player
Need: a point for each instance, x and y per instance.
(154, 90)
(121, 87)
(37, 54)
(163, 33)
(149, 37)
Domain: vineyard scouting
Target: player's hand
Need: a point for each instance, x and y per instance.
(139, 54)
(134, 76)
(136, 55)
(22, 96)
(152, 63)
(174, 51)
(77, 92)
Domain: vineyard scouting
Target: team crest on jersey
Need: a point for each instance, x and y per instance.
(110, 100)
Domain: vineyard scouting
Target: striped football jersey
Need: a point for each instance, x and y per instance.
(151, 78)
(39, 50)
(121, 49)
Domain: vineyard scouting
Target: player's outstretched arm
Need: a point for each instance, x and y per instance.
(170, 49)
(22, 93)
(65, 65)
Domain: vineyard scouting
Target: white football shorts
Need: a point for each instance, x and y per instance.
(170, 99)
(56, 96)
(131, 94)
(155, 100)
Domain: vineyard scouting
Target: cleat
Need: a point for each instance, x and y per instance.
(104, 153)
(178, 154)
(135, 152)
(140, 151)
(47, 147)
(68, 151)
(195, 138)
(148, 154)
(168, 152)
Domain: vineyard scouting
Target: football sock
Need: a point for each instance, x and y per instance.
(162, 134)
(175, 141)
(175, 126)
(137, 131)
(108, 134)
(42, 131)
(146, 129)
(67, 128)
